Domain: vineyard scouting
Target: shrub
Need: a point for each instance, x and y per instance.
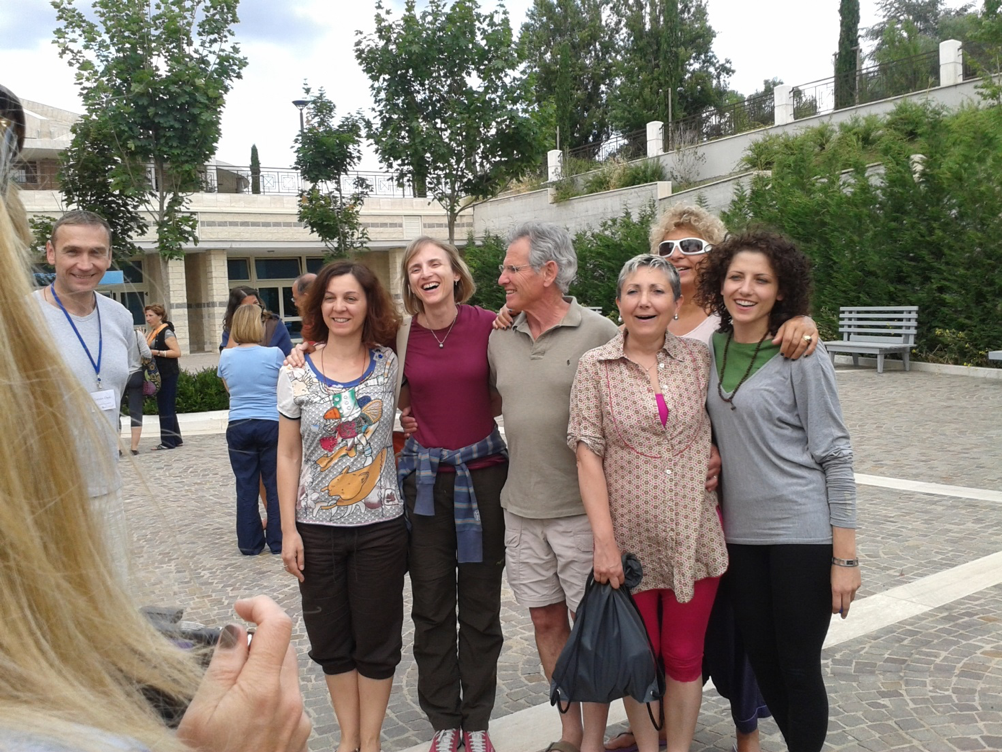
(196, 393)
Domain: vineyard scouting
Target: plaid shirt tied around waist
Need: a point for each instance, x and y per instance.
(416, 458)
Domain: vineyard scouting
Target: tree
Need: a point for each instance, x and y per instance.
(326, 154)
(449, 105)
(153, 78)
(567, 49)
(255, 170)
(847, 57)
(987, 57)
(665, 64)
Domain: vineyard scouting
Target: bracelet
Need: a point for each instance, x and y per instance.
(845, 562)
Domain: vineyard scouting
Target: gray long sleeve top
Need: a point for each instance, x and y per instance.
(787, 463)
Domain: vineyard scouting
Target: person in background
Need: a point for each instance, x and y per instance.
(639, 427)
(274, 333)
(166, 351)
(75, 651)
(789, 495)
(134, 387)
(452, 471)
(300, 287)
(250, 375)
(343, 531)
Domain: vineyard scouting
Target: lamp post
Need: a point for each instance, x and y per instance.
(301, 105)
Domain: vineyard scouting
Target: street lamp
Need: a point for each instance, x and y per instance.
(301, 105)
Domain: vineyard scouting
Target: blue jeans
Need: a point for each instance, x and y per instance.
(253, 448)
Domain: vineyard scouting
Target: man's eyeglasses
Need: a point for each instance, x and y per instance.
(512, 269)
(687, 246)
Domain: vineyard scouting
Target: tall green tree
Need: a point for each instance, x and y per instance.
(848, 55)
(255, 170)
(326, 155)
(449, 102)
(568, 52)
(665, 62)
(153, 77)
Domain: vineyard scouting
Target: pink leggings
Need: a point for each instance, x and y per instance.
(677, 629)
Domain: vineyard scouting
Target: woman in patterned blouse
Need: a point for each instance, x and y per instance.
(642, 437)
(343, 532)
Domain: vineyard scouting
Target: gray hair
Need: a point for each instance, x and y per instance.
(651, 262)
(549, 242)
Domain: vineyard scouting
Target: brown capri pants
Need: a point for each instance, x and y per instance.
(353, 596)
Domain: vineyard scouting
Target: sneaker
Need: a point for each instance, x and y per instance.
(446, 740)
(477, 741)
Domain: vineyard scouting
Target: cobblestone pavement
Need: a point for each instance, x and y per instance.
(931, 682)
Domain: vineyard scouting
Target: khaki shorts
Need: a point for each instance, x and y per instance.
(548, 561)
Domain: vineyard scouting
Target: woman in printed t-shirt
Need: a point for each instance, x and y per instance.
(452, 471)
(343, 532)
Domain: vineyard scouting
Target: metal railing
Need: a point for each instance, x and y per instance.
(871, 84)
(979, 60)
(720, 122)
(289, 182)
(625, 146)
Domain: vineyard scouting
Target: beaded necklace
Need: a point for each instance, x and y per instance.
(723, 370)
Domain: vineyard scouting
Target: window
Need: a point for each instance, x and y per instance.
(314, 264)
(238, 269)
(132, 271)
(279, 268)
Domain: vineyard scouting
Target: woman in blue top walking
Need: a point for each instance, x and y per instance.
(250, 374)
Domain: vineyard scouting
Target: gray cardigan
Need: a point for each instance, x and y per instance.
(787, 463)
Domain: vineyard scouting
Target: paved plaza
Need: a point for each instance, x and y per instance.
(917, 666)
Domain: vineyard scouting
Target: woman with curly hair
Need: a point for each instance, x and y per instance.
(789, 497)
(343, 531)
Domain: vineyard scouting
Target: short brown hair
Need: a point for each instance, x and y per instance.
(81, 217)
(381, 319)
(157, 309)
(246, 326)
(463, 289)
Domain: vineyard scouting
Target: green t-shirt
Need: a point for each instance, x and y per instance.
(738, 357)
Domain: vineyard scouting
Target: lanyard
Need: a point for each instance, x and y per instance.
(100, 334)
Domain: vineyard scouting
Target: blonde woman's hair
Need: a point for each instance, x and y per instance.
(246, 326)
(74, 650)
(462, 291)
(707, 226)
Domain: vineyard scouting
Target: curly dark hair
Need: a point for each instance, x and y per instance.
(790, 265)
(381, 319)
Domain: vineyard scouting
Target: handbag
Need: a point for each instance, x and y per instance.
(608, 654)
(151, 376)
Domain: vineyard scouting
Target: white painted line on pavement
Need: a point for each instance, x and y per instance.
(939, 489)
(903, 602)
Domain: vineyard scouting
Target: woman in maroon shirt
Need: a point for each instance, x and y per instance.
(452, 470)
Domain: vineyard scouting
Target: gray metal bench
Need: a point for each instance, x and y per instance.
(875, 330)
(995, 355)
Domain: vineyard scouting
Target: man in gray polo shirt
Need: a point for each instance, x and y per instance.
(93, 334)
(548, 538)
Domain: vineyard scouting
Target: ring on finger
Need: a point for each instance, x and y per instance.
(808, 337)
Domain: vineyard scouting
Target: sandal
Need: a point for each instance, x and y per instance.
(159, 447)
(561, 746)
(612, 745)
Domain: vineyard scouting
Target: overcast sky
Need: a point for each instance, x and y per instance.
(287, 41)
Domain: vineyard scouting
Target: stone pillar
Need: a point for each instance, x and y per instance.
(553, 166)
(395, 257)
(655, 138)
(951, 63)
(782, 104)
(208, 288)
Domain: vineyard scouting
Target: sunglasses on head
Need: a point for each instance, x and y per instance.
(687, 246)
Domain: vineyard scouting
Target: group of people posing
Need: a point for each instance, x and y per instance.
(701, 436)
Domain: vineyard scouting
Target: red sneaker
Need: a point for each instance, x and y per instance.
(477, 741)
(446, 740)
